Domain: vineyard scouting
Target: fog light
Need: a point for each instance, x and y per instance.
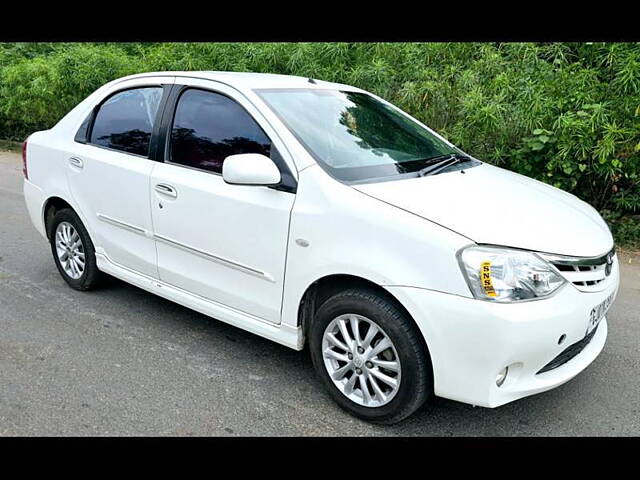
(502, 376)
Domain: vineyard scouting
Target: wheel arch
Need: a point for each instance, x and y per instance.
(323, 288)
(51, 206)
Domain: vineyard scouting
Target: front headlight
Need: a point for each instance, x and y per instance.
(507, 275)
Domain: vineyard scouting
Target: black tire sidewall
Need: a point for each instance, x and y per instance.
(90, 274)
(415, 384)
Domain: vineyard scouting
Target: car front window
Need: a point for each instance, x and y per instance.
(354, 136)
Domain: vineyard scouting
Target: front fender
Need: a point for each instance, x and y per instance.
(337, 230)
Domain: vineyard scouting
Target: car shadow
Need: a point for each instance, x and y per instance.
(565, 410)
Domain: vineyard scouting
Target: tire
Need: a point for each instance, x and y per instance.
(89, 276)
(414, 376)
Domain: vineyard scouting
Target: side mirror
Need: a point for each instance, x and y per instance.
(250, 169)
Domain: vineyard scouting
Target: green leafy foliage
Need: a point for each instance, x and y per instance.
(565, 113)
(625, 228)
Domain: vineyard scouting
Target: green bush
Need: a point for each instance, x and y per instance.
(566, 114)
(625, 228)
(36, 92)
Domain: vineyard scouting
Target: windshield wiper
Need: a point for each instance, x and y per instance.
(447, 160)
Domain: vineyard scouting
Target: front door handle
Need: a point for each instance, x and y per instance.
(167, 190)
(76, 162)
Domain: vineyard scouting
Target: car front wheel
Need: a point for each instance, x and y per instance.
(370, 356)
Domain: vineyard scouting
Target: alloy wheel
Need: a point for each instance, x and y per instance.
(70, 250)
(361, 360)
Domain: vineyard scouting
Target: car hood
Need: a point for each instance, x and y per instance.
(492, 205)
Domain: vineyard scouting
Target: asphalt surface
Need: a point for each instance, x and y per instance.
(121, 361)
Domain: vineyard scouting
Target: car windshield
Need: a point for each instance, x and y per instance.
(354, 136)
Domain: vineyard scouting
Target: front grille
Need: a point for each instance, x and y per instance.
(587, 274)
(568, 353)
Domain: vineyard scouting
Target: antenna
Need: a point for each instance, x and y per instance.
(311, 80)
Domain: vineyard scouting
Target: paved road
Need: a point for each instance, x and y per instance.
(121, 361)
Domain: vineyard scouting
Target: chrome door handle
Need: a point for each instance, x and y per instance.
(76, 162)
(167, 190)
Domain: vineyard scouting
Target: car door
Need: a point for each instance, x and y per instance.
(109, 169)
(226, 243)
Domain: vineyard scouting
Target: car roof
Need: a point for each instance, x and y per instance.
(250, 80)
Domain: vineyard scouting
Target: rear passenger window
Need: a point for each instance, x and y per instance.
(208, 127)
(125, 121)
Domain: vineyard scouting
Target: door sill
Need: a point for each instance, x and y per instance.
(280, 333)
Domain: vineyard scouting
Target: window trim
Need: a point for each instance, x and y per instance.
(288, 183)
(91, 118)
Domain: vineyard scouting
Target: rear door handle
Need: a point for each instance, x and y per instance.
(167, 190)
(76, 162)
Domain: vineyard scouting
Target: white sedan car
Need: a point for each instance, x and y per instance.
(316, 213)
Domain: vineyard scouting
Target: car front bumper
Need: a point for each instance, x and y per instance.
(470, 341)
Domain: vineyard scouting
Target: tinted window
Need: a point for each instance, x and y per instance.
(208, 127)
(125, 121)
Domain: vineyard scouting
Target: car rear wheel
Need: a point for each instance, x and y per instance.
(73, 250)
(370, 356)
